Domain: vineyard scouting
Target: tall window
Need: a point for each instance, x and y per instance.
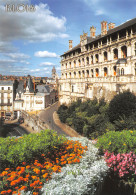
(83, 74)
(74, 74)
(91, 72)
(124, 51)
(92, 59)
(87, 60)
(96, 58)
(115, 53)
(122, 71)
(79, 62)
(74, 63)
(105, 56)
(114, 70)
(97, 72)
(83, 61)
(87, 72)
(79, 73)
(105, 71)
(72, 88)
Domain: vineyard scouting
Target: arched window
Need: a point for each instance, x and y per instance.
(87, 72)
(124, 51)
(70, 75)
(92, 73)
(115, 54)
(122, 71)
(87, 60)
(96, 58)
(66, 75)
(105, 56)
(105, 71)
(79, 73)
(83, 74)
(79, 62)
(66, 66)
(83, 61)
(69, 64)
(74, 74)
(74, 63)
(97, 72)
(114, 70)
(91, 59)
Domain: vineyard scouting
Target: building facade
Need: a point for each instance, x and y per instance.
(30, 97)
(6, 98)
(100, 66)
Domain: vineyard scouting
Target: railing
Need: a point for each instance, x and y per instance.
(5, 91)
(5, 104)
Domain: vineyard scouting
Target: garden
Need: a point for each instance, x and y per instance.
(101, 162)
(113, 126)
(46, 163)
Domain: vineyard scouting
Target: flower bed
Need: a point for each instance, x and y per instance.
(120, 155)
(68, 169)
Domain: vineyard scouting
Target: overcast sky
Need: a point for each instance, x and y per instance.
(32, 42)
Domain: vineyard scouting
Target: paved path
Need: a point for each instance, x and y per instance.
(47, 116)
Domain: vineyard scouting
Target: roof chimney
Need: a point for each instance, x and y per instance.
(92, 32)
(111, 25)
(103, 28)
(70, 44)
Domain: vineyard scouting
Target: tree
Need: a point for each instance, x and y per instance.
(122, 105)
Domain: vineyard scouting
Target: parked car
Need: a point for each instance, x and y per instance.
(21, 120)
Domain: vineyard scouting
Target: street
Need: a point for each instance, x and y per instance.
(47, 117)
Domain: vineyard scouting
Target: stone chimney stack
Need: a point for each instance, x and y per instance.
(70, 44)
(111, 25)
(103, 28)
(92, 32)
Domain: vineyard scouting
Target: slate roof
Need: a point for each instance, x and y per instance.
(109, 32)
(43, 89)
(30, 85)
(20, 87)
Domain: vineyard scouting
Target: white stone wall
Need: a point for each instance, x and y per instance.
(110, 82)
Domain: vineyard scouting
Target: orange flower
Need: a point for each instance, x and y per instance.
(45, 175)
(28, 167)
(14, 192)
(34, 177)
(37, 171)
(35, 193)
(3, 192)
(7, 169)
(23, 163)
(43, 171)
(4, 173)
(23, 188)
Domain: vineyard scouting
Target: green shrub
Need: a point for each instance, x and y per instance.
(13, 151)
(89, 118)
(123, 104)
(118, 142)
(63, 113)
